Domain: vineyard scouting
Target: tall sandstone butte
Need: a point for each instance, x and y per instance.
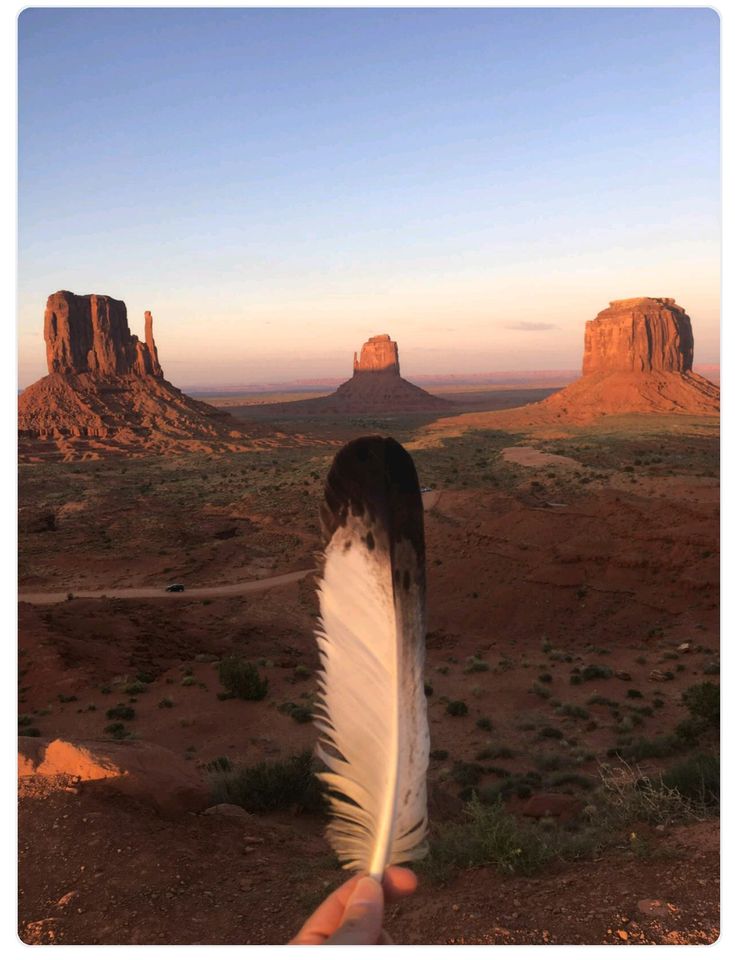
(106, 392)
(379, 353)
(639, 335)
(90, 334)
(638, 356)
(376, 386)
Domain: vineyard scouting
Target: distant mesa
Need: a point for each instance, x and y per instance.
(376, 387)
(106, 392)
(638, 356)
(380, 353)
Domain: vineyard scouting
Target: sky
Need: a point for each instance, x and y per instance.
(278, 185)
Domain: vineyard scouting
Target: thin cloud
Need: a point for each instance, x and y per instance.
(529, 325)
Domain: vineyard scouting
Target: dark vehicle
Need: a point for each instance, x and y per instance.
(175, 588)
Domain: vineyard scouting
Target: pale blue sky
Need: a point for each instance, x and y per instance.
(278, 185)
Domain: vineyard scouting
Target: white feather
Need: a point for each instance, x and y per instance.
(373, 707)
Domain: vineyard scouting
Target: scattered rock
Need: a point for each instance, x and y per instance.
(654, 908)
(143, 771)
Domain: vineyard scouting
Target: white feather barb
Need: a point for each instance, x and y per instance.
(371, 637)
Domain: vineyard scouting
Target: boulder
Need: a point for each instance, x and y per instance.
(143, 771)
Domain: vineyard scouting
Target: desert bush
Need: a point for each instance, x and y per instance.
(439, 754)
(241, 679)
(552, 733)
(136, 687)
(428, 689)
(645, 749)
(594, 671)
(696, 778)
(490, 836)
(634, 694)
(628, 796)
(476, 665)
(572, 710)
(120, 712)
(457, 708)
(484, 723)
(117, 731)
(703, 701)
(268, 786)
(297, 711)
(466, 774)
(166, 702)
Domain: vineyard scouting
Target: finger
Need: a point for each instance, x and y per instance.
(399, 882)
(363, 916)
(327, 916)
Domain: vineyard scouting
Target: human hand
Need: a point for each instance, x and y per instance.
(353, 914)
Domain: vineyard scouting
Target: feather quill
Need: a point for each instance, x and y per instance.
(371, 637)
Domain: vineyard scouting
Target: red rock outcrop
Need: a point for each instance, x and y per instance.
(105, 391)
(90, 334)
(143, 771)
(639, 335)
(379, 353)
(376, 387)
(638, 356)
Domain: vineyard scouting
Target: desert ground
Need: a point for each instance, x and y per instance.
(573, 579)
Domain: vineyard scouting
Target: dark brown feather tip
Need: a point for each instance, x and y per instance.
(375, 476)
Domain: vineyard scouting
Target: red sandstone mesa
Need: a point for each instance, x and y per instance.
(639, 335)
(638, 356)
(376, 385)
(379, 353)
(105, 390)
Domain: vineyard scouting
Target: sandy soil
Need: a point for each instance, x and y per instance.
(537, 569)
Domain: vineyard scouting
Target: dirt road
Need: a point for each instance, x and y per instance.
(148, 593)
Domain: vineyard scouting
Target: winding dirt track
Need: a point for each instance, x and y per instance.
(430, 498)
(150, 593)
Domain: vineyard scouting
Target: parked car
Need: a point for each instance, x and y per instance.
(175, 588)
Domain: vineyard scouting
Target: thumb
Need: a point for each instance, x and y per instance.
(363, 916)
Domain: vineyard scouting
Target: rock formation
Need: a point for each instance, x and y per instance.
(376, 387)
(90, 334)
(639, 335)
(105, 390)
(379, 353)
(638, 357)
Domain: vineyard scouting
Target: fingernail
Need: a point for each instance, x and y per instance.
(366, 892)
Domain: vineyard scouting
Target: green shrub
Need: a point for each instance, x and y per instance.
(297, 711)
(269, 786)
(697, 779)
(552, 733)
(117, 731)
(242, 679)
(573, 710)
(133, 689)
(644, 749)
(703, 701)
(634, 694)
(476, 665)
(428, 689)
(466, 774)
(484, 723)
(166, 702)
(594, 671)
(120, 712)
(439, 754)
(457, 708)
